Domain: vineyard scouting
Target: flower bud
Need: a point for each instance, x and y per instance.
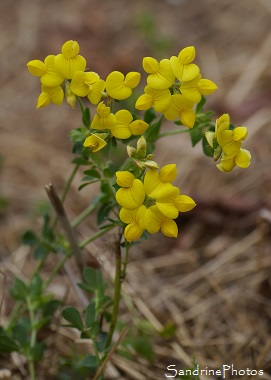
(70, 96)
(141, 147)
(131, 151)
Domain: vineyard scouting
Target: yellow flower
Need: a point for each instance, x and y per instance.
(95, 142)
(193, 89)
(136, 222)
(155, 182)
(70, 61)
(161, 75)
(104, 119)
(82, 81)
(182, 67)
(96, 91)
(241, 159)
(170, 202)
(125, 127)
(120, 87)
(155, 220)
(159, 99)
(46, 70)
(131, 195)
(181, 108)
(230, 140)
(50, 94)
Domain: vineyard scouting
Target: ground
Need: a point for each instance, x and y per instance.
(213, 280)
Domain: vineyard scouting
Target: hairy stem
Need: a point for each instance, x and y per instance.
(117, 291)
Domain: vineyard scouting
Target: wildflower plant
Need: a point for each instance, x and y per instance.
(137, 197)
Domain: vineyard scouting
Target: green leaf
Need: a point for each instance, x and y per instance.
(200, 105)
(153, 131)
(21, 333)
(8, 345)
(72, 315)
(103, 213)
(92, 174)
(93, 277)
(37, 351)
(207, 149)
(19, 291)
(90, 314)
(86, 117)
(81, 161)
(39, 252)
(89, 361)
(35, 286)
(49, 309)
(196, 135)
(77, 147)
(101, 341)
(149, 115)
(30, 238)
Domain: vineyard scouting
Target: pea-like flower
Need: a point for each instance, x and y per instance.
(182, 66)
(193, 89)
(158, 99)
(155, 221)
(95, 141)
(181, 108)
(135, 220)
(50, 94)
(126, 127)
(82, 81)
(227, 144)
(131, 194)
(119, 86)
(104, 119)
(241, 159)
(49, 76)
(161, 74)
(155, 182)
(70, 61)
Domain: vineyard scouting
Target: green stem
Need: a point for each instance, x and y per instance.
(117, 291)
(171, 133)
(125, 262)
(80, 105)
(83, 215)
(56, 270)
(95, 236)
(69, 182)
(32, 339)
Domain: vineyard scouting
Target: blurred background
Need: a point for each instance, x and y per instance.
(212, 285)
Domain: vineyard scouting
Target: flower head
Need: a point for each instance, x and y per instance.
(50, 94)
(70, 61)
(95, 142)
(182, 66)
(119, 86)
(135, 220)
(131, 194)
(104, 119)
(49, 76)
(161, 74)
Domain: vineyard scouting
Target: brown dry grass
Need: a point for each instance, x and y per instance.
(214, 281)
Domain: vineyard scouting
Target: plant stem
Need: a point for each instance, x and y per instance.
(125, 262)
(68, 183)
(32, 339)
(117, 291)
(61, 214)
(56, 270)
(84, 214)
(171, 133)
(85, 242)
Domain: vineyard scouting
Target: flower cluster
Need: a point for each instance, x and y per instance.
(152, 203)
(226, 143)
(174, 99)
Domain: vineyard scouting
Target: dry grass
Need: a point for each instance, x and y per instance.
(213, 283)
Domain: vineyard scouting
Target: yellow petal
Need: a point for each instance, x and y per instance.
(144, 102)
(184, 203)
(132, 197)
(43, 100)
(243, 158)
(150, 65)
(132, 79)
(240, 133)
(36, 67)
(94, 142)
(206, 87)
(137, 127)
(70, 49)
(125, 178)
(169, 228)
(168, 173)
(153, 219)
(210, 138)
(187, 55)
(151, 180)
(133, 232)
(95, 91)
(188, 118)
